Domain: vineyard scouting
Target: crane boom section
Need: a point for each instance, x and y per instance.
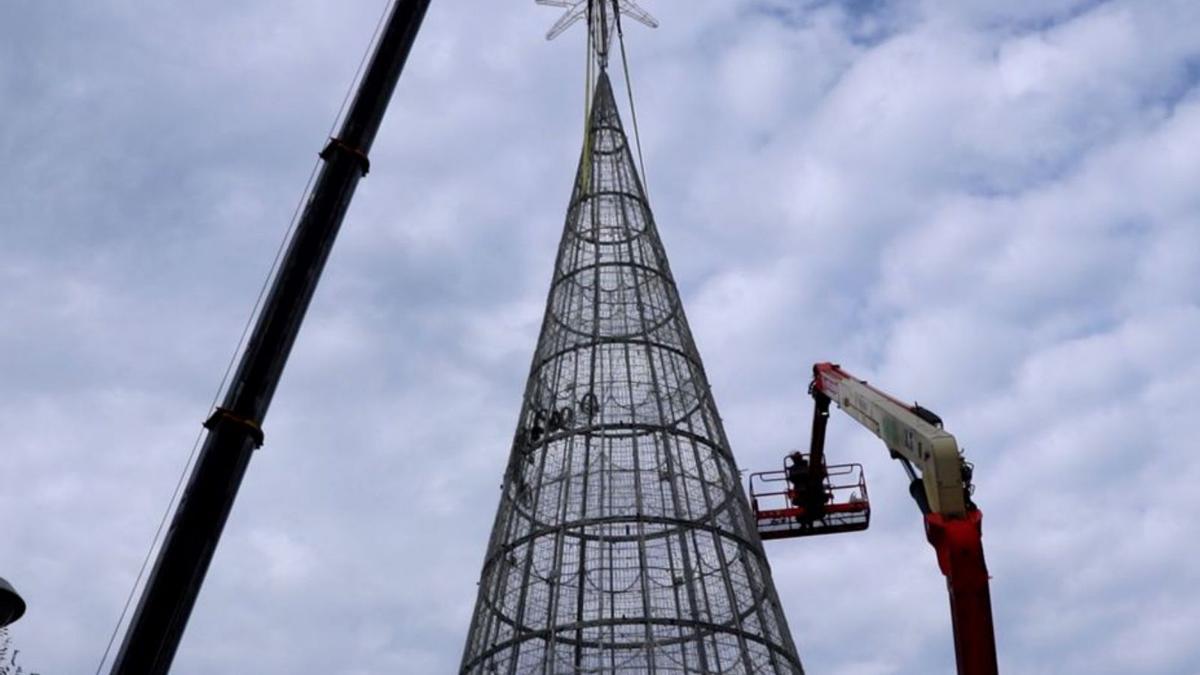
(905, 432)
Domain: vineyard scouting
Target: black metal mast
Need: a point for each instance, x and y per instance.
(235, 428)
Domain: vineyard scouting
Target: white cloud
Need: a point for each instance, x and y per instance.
(990, 207)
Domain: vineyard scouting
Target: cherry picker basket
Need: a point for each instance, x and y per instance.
(844, 507)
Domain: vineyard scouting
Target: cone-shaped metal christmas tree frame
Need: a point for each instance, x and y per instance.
(623, 541)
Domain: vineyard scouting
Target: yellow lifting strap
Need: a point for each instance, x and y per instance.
(251, 427)
(585, 173)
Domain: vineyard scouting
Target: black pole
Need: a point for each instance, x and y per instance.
(235, 428)
(815, 491)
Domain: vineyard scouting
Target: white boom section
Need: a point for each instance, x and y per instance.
(928, 447)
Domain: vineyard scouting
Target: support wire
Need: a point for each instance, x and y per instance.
(637, 136)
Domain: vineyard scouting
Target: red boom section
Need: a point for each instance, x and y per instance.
(959, 546)
(826, 376)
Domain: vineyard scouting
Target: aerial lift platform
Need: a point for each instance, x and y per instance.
(809, 497)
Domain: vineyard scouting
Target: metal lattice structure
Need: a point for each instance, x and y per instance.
(623, 540)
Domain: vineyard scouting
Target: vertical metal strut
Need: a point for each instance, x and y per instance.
(235, 428)
(623, 541)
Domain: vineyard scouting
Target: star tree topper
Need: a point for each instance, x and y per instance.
(602, 15)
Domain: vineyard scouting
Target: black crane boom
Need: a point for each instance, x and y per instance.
(235, 428)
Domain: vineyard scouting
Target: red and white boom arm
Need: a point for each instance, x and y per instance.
(952, 521)
(908, 431)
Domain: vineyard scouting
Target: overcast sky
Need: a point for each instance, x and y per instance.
(992, 207)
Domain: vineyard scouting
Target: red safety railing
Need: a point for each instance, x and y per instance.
(846, 508)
